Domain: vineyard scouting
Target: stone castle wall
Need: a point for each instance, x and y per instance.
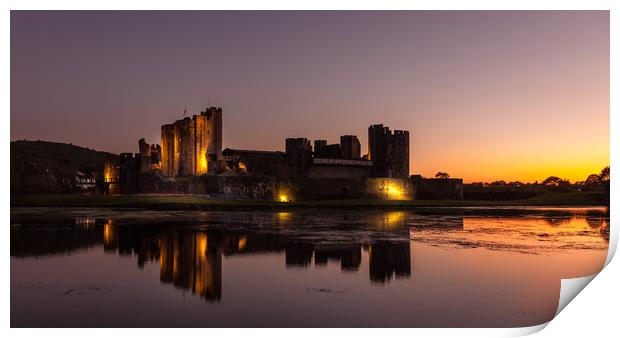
(284, 190)
(240, 187)
(338, 171)
(437, 188)
(289, 189)
(389, 189)
(153, 183)
(192, 146)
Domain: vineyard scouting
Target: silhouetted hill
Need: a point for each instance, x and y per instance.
(50, 167)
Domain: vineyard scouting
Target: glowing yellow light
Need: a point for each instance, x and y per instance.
(388, 188)
(392, 220)
(201, 244)
(283, 217)
(108, 233)
(110, 172)
(242, 166)
(241, 243)
(284, 194)
(203, 164)
(107, 173)
(394, 192)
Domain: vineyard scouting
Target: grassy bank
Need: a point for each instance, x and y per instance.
(197, 202)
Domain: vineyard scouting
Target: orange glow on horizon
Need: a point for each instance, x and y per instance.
(528, 168)
(525, 175)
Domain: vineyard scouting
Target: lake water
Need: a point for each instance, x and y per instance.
(306, 268)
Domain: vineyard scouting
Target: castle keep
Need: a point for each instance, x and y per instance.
(190, 159)
(192, 146)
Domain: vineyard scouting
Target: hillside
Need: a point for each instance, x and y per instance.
(50, 167)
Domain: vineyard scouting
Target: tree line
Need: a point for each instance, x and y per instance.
(592, 181)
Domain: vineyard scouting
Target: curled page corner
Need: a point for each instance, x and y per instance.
(570, 288)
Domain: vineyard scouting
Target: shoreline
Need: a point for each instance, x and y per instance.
(204, 202)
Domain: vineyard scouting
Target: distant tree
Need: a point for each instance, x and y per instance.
(604, 175)
(564, 182)
(440, 174)
(500, 182)
(592, 180)
(552, 180)
(516, 183)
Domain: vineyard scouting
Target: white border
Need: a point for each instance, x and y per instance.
(593, 314)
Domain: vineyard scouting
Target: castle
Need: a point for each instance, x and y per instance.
(190, 159)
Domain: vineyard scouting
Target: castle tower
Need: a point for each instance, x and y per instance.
(318, 147)
(389, 152)
(167, 150)
(351, 147)
(399, 148)
(378, 145)
(299, 154)
(192, 146)
(209, 139)
(145, 156)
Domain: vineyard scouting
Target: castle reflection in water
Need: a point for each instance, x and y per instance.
(191, 253)
(191, 257)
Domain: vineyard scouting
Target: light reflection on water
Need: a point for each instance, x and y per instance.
(299, 268)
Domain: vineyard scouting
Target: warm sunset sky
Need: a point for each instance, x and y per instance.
(485, 95)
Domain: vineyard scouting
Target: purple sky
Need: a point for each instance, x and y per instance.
(485, 95)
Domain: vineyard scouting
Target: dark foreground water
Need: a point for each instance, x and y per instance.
(456, 268)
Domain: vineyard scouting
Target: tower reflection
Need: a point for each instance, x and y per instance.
(110, 236)
(192, 261)
(387, 260)
(349, 256)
